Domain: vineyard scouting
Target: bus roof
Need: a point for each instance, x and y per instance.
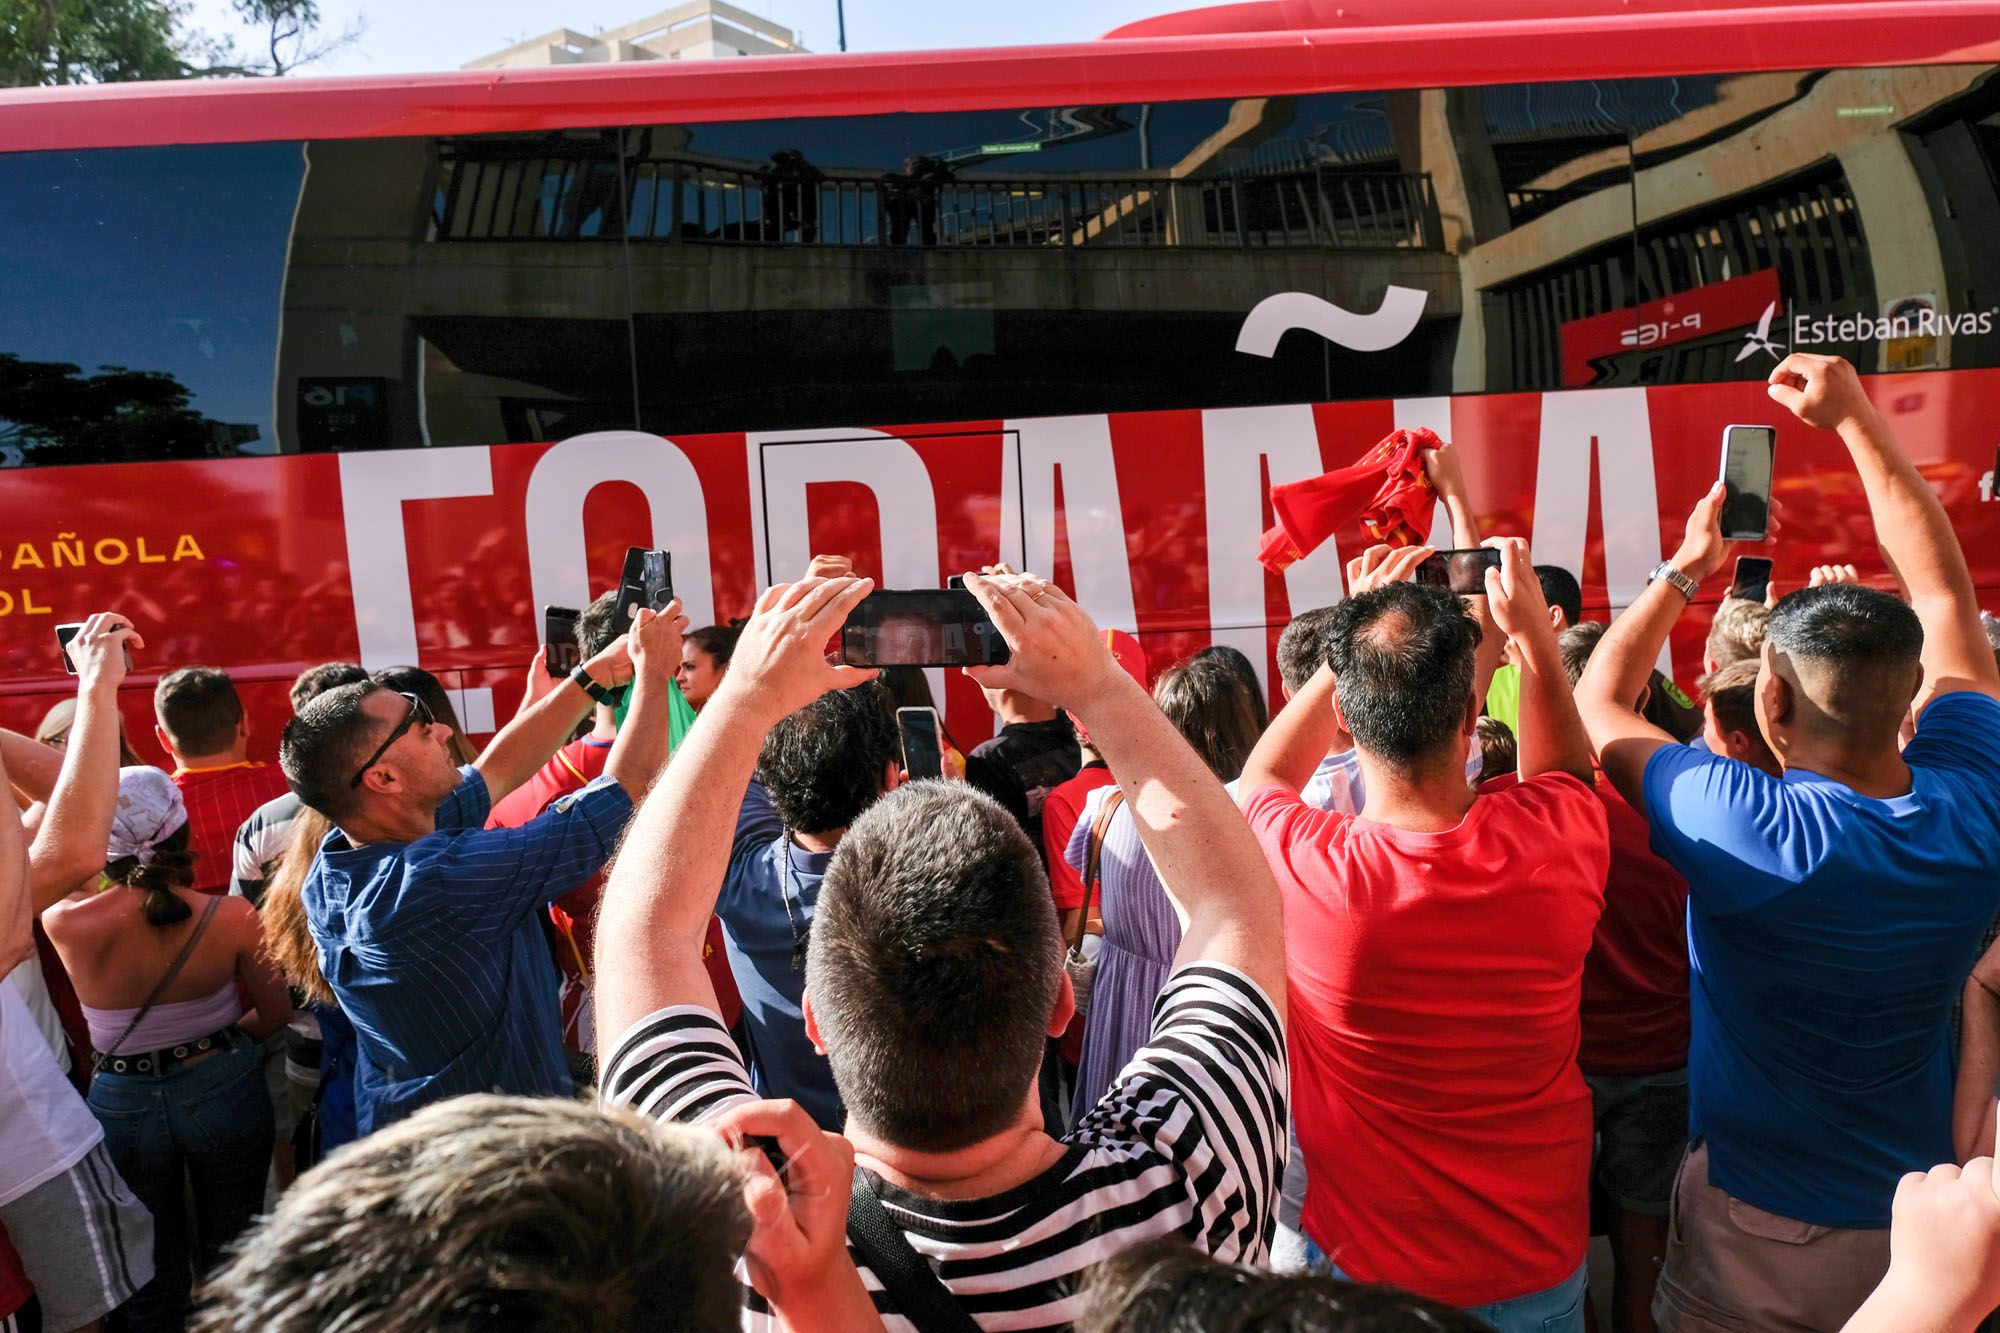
(1306, 15)
(1665, 37)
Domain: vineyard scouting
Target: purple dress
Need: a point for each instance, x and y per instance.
(1141, 933)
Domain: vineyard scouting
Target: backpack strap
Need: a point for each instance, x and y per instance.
(1093, 861)
(920, 1295)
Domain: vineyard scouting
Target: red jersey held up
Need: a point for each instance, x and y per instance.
(218, 801)
(1434, 982)
(1635, 981)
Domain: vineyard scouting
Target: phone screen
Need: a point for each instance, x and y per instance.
(923, 751)
(1463, 572)
(1753, 578)
(64, 633)
(1746, 473)
(647, 581)
(946, 627)
(559, 633)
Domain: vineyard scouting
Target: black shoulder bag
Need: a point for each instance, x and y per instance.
(920, 1295)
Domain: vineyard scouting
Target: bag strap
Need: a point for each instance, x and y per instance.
(1093, 860)
(919, 1293)
(180, 961)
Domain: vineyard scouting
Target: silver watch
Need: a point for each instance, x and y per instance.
(1666, 573)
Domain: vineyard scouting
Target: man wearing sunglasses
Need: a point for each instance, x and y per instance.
(428, 925)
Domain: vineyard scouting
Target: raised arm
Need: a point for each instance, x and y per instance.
(661, 891)
(17, 916)
(1442, 467)
(1607, 695)
(1552, 738)
(1204, 852)
(640, 751)
(545, 726)
(1309, 727)
(69, 843)
(1911, 528)
(32, 766)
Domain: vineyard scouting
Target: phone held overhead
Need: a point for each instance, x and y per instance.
(1463, 571)
(64, 633)
(1747, 453)
(1752, 580)
(559, 635)
(923, 742)
(647, 581)
(921, 627)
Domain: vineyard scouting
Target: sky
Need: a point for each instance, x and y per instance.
(410, 36)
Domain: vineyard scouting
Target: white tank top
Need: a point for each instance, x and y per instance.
(45, 1127)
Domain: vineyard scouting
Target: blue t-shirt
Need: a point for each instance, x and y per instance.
(1829, 934)
(767, 908)
(434, 948)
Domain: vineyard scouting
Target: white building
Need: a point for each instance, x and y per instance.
(698, 30)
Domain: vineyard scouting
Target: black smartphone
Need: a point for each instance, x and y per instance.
(1462, 572)
(923, 746)
(1753, 578)
(934, 627)
(64, 633)
(647, 580)
(1746, 474)
(559, 634)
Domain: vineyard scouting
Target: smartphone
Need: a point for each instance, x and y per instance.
(64, 633)
(1746, 473)
(647, 580)
(923, 747)
(937, 627)
(559, 634)
(1463, 572)
(1753, 578)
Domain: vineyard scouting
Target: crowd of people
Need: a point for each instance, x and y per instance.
(681, 1005)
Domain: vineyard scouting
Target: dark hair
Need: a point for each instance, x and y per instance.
(1576, 644)
(1732, 692)
(417, 681)
(172, 867)
(315, 681)
(933, 967)
(593, 626)
(324, 743)
(1302, 647)
(198, 709)
(1211, 710)
(1560, 590)
(1165, 1286)
(1239, 666)
(1499, 753)
(823, 765)
(1403, 658)
(484, 1212)
(718, 641)
(1860, 648)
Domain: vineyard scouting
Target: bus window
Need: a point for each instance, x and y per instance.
(142, 301)
(1832, 212)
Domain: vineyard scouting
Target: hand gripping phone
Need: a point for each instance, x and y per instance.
(921, 627)
(1747, 455)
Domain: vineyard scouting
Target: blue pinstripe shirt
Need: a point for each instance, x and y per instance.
(435, 948)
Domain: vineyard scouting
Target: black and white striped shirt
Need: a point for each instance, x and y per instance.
(1189, 1141)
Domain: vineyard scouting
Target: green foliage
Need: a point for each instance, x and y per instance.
(44, 42)
(50, 409)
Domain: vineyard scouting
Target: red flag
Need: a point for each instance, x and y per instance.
(1387, 490)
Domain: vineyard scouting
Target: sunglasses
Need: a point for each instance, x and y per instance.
(419, 714)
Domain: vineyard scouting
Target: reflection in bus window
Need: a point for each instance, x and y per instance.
(142, 301)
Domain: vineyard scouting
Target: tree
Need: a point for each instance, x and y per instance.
(51, 411)
(117, 41)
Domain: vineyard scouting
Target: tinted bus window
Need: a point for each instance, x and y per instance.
(1835, 212)
(141, 301)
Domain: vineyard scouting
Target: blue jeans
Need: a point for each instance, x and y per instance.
(1556, 1310)
(200, 1130)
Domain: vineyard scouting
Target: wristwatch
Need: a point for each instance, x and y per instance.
(603, 694)
(1666, 573)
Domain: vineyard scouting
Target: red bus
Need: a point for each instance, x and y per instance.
(375, 368)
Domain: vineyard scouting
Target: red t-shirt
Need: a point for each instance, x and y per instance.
(218, 801)
(1434, 982)
(1059, 815)
(1635, 981)
(573, 917)
(15, 1289)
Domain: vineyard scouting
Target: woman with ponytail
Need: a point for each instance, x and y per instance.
(161, 971)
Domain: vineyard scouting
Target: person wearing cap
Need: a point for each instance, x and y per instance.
(179, 1087)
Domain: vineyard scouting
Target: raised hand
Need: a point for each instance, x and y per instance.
(1821, 391)
(1379, 566)
(1442, 467)
(798, 1217)
(654, 641)
(829, 567)
(780, 659)
(1825, 574)
(99, 649)
(1055, 653)
(1703, 550)
(1514, 594)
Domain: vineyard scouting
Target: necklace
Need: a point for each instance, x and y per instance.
(799, 936)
